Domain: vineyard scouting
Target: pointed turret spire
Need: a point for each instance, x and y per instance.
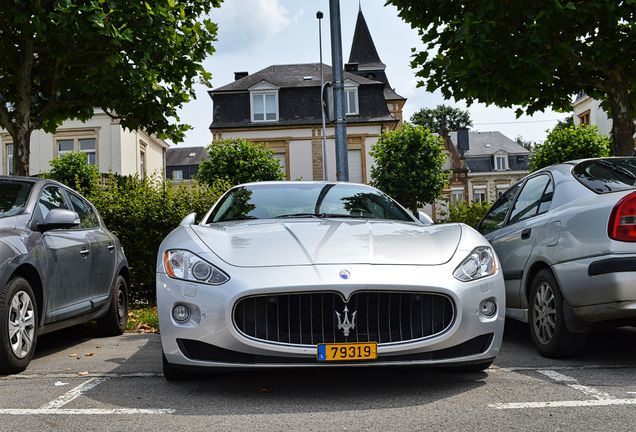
(363, 50)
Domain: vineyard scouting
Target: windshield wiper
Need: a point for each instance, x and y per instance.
(344, 215)
(298, 215)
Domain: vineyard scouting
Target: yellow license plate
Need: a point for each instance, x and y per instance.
(348, 351)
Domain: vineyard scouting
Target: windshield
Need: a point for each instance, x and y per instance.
(13, 197)
(306, 200)
(607, 175)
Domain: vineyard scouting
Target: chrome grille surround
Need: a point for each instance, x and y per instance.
(309, 318)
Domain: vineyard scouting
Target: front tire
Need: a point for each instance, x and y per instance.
(548, 330)
(18, 325)
(115, 321)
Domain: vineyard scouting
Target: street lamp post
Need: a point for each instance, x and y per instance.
(319, 16)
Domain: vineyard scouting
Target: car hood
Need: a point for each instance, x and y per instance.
(265, 243)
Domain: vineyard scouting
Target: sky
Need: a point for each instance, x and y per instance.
(254, 34)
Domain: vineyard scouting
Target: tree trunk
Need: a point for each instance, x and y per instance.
(622, 121)
(22, 127)
(21, 151)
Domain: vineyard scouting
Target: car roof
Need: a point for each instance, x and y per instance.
(303, 182)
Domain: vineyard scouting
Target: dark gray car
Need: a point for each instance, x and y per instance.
(566, 239)
(59, 266)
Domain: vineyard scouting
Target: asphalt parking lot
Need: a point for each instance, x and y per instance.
(115, 384)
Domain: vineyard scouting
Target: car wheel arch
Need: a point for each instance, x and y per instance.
(30, 273)
(529, 275)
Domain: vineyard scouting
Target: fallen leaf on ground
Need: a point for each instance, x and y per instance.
(89, 354)
(73, 355)
(264, 390)
(84, 373)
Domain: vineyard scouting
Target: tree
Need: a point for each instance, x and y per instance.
(569, 143)
(73, 170)
(533, 55)
(239, 161)
(526, 144)
(566, 122)
(136, 60)
(442, 119)
(409, 165)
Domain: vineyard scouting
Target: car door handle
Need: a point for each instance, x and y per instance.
(525, 234)
(84, 252)
(111, 247)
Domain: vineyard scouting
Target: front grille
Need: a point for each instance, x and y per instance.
(310, 318)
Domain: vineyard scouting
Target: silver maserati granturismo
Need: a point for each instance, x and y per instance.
(321, 274)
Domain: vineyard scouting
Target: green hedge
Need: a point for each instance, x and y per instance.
(470, 214)
(142, 213)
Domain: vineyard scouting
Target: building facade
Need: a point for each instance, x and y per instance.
(587, 110)
(280, 106)
(182, 163)
(107, 145)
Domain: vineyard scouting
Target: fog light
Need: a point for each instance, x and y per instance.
(181, 313)
(488, 308)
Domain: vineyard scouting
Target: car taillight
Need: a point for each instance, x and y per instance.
(622, 222)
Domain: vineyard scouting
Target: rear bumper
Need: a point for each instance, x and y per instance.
(601, 288)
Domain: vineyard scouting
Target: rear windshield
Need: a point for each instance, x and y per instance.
(607, 175)
(13, 197)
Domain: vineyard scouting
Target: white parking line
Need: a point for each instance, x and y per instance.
(90, 411)
(601, 398)
(73, 394)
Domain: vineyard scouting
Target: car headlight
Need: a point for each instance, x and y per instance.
(182, 264)
(480, 263)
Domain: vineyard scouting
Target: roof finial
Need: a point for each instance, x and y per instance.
(359, 6)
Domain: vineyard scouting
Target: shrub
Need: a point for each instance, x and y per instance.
(142, 213)
(470, 214)
(73, 170)
(568, 143)
(239, 161)
(409, 166)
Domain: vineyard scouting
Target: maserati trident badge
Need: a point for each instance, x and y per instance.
(344, 324)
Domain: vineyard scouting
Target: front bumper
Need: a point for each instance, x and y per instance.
(210, 338)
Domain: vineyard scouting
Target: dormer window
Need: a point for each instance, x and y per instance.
(501, 162)
(264, 102)
(351, 98)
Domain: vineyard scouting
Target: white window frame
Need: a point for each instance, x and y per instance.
(501, 189)
(351, 90)
(177, 177)
(8, 158)
(504, 159)
(262, 89)
(480, 190)
(76, 135)
(456, 192)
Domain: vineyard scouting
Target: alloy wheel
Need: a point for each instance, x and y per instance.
(121, 304)
(21, 324)
(544, 313)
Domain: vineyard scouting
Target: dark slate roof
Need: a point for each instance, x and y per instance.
(286, 76)
(489, 143)
(182, 156)
(390, 94)
(363, 49)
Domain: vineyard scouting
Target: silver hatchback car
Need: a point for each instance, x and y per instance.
(566, 239)
(59, 266)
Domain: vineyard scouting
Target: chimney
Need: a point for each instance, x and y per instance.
(351, 67)
(239, 75)
(462, 141)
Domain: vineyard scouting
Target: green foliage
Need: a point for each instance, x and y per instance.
(470, 214)
(569, 143)
(239, 161)
(142, 213)
(442, 119)
(139, 60)
(73, 170)
(532, 55)
(566, 122)
(409, 166)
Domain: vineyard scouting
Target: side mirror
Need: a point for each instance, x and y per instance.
(188, 220)
(424, 218)
(59, 218)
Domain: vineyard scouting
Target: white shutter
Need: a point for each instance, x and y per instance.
(355, 166)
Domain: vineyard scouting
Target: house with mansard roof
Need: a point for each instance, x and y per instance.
(280, 106)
